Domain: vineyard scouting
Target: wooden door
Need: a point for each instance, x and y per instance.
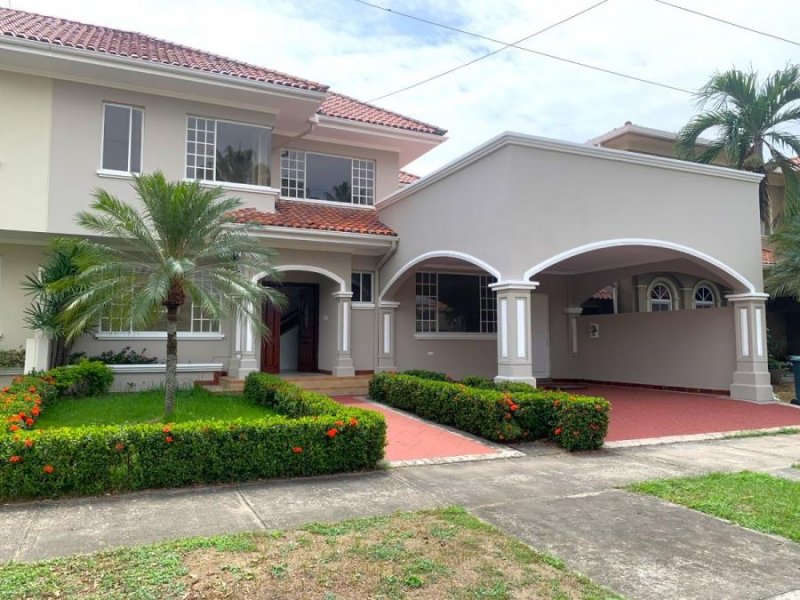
(271, 347)
(308, 330)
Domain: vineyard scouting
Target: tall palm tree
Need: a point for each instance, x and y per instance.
(783, 278)
(752, 120)
(182, 247)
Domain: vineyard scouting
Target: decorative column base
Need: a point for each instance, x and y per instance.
(241, 366)
(751, 379)
(514, 354)
(751, 386)
(505, 379)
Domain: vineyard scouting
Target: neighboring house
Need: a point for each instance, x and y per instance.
(482, 267)
(783, 314)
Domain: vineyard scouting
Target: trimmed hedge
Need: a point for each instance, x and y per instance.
(316, 436)
(518, 412)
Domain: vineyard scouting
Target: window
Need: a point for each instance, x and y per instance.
(705, 296)
(230, 152)
(122, 138)
(361, 284)
(660, 298)
(326, 177)
(450, 303)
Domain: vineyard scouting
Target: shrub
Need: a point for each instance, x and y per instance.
(87, 378)
(329, 438)
(12, 359)
(126, 356)
(518, 412)
(476, 381)
(424, 374)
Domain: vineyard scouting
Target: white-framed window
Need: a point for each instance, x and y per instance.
(660, 296)
(455, 303)
(227, 151)
(315, 176)
(122, 138)
(361, 285)
(705, 295)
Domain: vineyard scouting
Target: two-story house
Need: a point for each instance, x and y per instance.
(483, 267)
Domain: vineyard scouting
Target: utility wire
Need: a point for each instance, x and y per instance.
(512, 45)
(731, 23)
(484, 56)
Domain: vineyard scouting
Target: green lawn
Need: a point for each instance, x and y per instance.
(754, 500)
(444, 553)
(144, 407)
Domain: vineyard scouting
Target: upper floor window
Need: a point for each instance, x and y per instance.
(122, 138)
(705, 296)
(660, 298)
(361, 285)
(326, 177)
(225, 151)
(448, 303)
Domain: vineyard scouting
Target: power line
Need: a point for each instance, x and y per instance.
(731, 23)
(518, 47)
(480, 58)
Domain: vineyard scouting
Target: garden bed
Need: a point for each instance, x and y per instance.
(504, 413)
(287, 432)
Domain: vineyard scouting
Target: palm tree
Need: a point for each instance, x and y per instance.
(783, 278)
(182, 246)
(753, 120)
(50, 300)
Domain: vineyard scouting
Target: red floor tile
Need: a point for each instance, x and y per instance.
(413, 439)
(640, 413)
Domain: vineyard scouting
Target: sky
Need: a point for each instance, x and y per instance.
(365, 52)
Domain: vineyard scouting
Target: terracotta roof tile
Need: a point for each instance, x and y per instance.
(344, 107)
(406, 178)
(128, 44)
(605, 294)
(310, 215)
(768, 257)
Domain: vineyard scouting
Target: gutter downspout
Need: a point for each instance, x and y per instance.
(313, 121)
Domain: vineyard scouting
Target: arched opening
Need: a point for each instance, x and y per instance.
(641, 312)
(303, 333)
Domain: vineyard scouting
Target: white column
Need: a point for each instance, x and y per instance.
(387, 312)
(751, 378)
(243, 355)
(573, 312)
(37, 353)
(343, 365)
(514, 354)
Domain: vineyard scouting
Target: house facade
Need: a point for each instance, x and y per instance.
(484, 267)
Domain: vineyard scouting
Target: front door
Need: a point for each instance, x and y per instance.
(293, 332)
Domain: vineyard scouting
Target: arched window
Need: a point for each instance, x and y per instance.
(660, 297)
(705, 295)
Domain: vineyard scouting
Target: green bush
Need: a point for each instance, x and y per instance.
(476, 381)
(87, 378)
(317, 436)
(518, 412)
(424, 374)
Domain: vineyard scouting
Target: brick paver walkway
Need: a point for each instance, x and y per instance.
(411, 438)
(638, 414)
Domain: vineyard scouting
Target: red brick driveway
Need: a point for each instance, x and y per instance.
(638, 413)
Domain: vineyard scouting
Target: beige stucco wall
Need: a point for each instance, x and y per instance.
(25, 130)
(519, 206)
(687, 348)
(76, 147)
(16, 261)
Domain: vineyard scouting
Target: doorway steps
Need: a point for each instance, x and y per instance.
(311, 382)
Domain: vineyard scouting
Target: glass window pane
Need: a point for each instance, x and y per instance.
(366, 287)
(116, 137)
(355, 286)
(136, 141)
(242, 153)
(458, 304)
(329, 178)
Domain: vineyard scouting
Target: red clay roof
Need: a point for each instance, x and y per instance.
(128, 44)
(309, 215)
(605, 294)
(767, 257)
(406, 178)
(344, 107)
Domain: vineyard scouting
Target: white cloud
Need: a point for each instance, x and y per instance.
(366, 52)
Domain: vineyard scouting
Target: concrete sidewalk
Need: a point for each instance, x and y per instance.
(567, 505)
